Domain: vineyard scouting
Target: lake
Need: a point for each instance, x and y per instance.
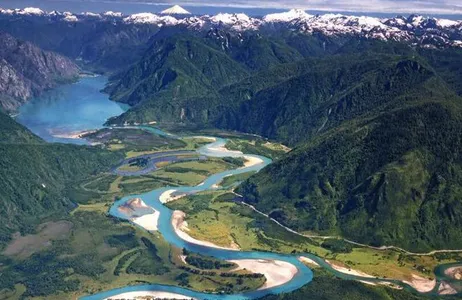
(69, 109)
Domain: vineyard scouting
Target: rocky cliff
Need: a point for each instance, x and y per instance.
(26, 71)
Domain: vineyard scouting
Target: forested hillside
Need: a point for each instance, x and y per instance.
(34, 176)
(177, 67)
(390, 178)
(321, 94)
(193, 80)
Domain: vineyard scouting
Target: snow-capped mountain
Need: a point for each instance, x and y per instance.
(415, 29)
(294, 14)
(150, 18)
(175, 10)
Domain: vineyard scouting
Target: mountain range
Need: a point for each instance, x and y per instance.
(370, 106)
(414, 29)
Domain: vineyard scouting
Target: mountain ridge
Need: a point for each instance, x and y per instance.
(415, 29)
(381, 172)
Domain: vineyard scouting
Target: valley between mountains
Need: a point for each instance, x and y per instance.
(328, 146)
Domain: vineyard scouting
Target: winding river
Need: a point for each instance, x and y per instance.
(165, 227)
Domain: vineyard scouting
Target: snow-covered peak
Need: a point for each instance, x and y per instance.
(30, 11)
(69, 17)
(294, 14)
(415, 29)
(150, 18)
(111, 13)
(55, 13)
(237, 22)
(447, 23)
(175, 10)
(142, 18)
(229, 18)
(90, 14)
(416, 20)
(5, 11)
(367, 21)
(396, 22)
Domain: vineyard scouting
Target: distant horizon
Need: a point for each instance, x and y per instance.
(128, 8)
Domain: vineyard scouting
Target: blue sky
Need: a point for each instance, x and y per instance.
(429, 7)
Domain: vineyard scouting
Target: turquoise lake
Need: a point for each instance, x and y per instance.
(69, 109)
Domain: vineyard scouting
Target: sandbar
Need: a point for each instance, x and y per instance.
(276, 272)
(140, 213)
(446, 289)
(307, 260)
(147, 295)
(148, 222)
(210, 138)
(73, 135)
(222, 148)
(136, 203)
(421, 284)
(167, 196)
(454, 272)
(251, 161)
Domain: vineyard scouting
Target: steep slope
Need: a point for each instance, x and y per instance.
(320, 94)
(198, 66)
(173, 70)
(256, 52)
(390, 177)
(26, 70)
(12, 132)
(448, 65)
(34, 176)
(273, 65)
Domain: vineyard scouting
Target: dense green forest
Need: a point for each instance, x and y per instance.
(192, 80)
(193, 68)
(174, 70)
(34, 176)
(390, 178)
